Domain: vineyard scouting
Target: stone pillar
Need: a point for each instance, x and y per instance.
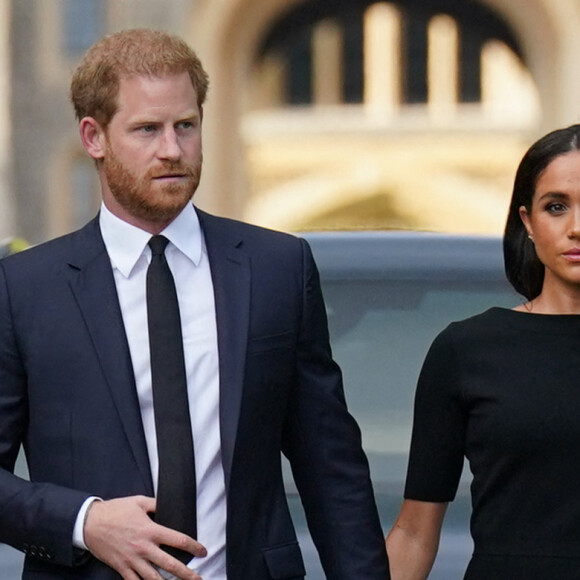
(268, 83)
(509, 96)
(442, 68)
(327, 59)
(382, 62)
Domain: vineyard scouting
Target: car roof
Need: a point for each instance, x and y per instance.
(402, 255)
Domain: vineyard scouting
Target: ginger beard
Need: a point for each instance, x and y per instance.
(146, 198)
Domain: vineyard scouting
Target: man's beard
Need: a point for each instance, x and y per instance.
(146, 199)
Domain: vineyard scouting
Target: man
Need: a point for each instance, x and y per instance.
(77, 378)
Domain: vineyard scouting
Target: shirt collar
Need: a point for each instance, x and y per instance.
(126, 243)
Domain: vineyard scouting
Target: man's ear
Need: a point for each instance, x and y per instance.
(92, 137)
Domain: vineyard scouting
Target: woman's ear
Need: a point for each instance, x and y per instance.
(525, 217)
(92, 137)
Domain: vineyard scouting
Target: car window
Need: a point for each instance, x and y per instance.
(381, 329)
(380, 332)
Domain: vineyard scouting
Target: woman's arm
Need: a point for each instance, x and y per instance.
(413, 541)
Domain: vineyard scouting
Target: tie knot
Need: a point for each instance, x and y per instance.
(158, 245)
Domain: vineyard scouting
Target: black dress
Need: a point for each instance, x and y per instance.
(503, 389)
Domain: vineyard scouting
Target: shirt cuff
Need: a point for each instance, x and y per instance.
(78, 538)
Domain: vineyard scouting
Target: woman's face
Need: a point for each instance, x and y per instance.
(554, 222)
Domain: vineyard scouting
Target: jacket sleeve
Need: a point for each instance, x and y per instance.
(35, 517)
(323, 444)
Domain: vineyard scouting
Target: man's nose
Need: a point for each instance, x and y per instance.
(169, 147)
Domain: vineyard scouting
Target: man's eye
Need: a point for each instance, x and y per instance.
(186, 125)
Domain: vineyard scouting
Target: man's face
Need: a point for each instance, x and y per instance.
(152, 162)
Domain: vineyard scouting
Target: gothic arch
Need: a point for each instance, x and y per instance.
(227, 32)
(550, 55)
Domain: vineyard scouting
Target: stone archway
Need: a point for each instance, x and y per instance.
(227, 32)
(225, 35)
(551, 55)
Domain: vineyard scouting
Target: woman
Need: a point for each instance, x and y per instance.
(503, 389)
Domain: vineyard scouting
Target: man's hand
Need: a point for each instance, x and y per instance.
(120, 533)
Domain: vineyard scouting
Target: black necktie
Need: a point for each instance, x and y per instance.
(176, 491)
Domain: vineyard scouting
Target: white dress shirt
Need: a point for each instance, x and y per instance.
(187, 258)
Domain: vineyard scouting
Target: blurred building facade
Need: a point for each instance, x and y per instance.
(321, 113)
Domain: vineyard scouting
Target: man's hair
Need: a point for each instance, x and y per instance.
(522, 265)
(95, 83)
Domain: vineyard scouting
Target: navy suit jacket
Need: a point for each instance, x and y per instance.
(67, 393)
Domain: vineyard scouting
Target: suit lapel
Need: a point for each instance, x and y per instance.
(230, 272)
(92, 283)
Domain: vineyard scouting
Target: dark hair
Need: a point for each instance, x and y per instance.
(523, 269)
(95, 83)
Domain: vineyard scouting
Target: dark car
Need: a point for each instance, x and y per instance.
(388, 295)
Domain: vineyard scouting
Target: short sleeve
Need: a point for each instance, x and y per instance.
(439, 422)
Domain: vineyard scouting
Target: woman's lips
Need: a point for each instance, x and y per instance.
(572, 255)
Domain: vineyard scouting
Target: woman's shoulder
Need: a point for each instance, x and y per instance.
(500, 326)
(502, 320)
(494, 319)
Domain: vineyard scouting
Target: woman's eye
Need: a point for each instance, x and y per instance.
(556, 208)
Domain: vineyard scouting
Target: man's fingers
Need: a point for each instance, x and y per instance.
(121, 533)
(167, 562)
(147, 503)
(147, 571)
(174, 569)
(182, 542)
